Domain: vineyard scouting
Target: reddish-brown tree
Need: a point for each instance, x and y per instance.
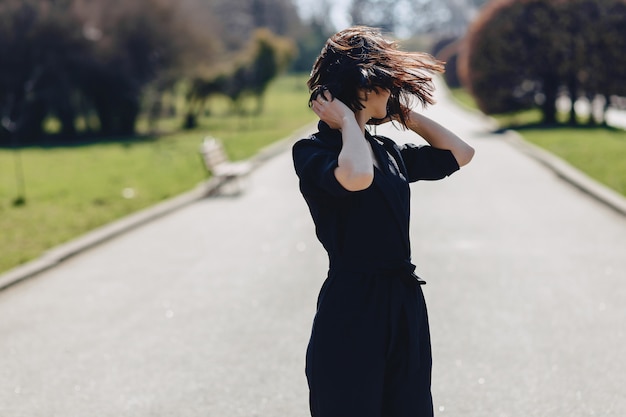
(521, 54)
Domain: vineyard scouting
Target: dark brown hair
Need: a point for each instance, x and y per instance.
(360, 58)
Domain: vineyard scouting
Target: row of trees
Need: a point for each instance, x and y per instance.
(521, 54)
(89, 63)
(87, 60)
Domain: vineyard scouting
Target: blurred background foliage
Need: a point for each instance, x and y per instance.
(93, 66)
(524, 54)
(89, 63)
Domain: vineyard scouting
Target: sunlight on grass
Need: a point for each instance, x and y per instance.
(71, 190)
(600, 153)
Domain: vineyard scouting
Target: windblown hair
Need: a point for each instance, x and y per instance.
(360, 58)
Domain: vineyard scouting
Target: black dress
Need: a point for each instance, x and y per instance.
(369, 353)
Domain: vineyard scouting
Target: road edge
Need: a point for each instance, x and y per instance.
(568, 173)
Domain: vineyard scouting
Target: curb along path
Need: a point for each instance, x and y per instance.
(570, 174)
(60, 253)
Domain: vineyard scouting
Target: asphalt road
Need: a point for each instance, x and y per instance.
(207, 311)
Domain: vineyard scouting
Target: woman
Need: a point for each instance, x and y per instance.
(369, 352)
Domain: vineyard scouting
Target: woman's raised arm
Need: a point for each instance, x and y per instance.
(440, 137)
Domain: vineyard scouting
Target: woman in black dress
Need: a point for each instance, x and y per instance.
(369, 353)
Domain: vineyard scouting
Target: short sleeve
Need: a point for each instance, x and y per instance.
(315, 166)
(427, 163)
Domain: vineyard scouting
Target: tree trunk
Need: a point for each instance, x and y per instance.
(572, 87)
(548, 107)
(30, 126)
(66, 116)
(191, 120)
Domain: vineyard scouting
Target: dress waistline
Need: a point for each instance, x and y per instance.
(403, 268)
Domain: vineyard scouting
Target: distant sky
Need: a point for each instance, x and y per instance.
(337, 14)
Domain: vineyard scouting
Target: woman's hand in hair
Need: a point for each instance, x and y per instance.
(331, 110)
(355, 166)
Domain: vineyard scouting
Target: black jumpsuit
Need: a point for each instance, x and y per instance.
(369, 353)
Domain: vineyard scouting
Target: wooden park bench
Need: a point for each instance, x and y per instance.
(220, 166)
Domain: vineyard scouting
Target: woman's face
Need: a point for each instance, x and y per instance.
(376, 102)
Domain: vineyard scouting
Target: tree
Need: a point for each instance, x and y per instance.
(506, 61)
(94, 60)
(69, 58)
(447, 50)
(41, 51)
(597, 66)
(266, 56)
(593, 39)
(310, 41)
(236, 20)
(141, 42)
(520, 54)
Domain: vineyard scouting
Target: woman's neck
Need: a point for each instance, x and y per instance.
(362, 118)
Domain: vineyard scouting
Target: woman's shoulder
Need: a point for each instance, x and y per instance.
(318, 141)
(388, 143)
(311, 140)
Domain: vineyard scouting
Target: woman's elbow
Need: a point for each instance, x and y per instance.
(359, 183)
(465, 155)
(354, 181)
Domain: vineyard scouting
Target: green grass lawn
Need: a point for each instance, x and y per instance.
(598, 151)
(71, 190)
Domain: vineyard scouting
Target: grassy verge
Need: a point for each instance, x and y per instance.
(598, 151)
(71, 190)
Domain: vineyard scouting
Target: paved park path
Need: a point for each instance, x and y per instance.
(207, 311)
